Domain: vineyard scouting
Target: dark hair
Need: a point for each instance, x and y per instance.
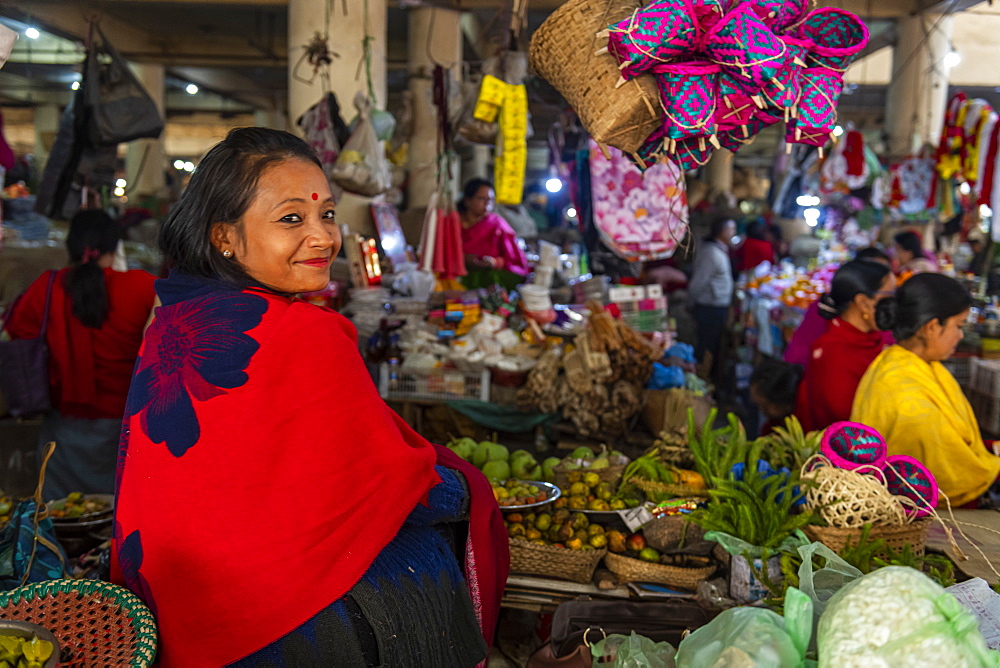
(471, 188)
(755, 230)
(857, 277)
(919, 300)
(220, 191)
(716, 226)
(775, 231)
(909, 241)
(92, 233)
(871, 253)
(777, 381)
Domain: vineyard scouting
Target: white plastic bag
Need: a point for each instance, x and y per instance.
(361, 167)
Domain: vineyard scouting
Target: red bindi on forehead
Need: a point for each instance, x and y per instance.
(315, 196)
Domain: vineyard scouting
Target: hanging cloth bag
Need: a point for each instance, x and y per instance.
(29, 551)
(24, 367)
(361, 168)
(120, 109)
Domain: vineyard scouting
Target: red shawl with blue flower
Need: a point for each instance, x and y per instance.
(260, 473)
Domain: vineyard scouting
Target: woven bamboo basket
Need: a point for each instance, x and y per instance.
(554, 562)
(837, 538)
(96, 623)
(627, 569)
(664, 490)
(563, 52)
(664, 533)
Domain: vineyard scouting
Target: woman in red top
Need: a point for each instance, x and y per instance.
(841, 356)
(756, 250)
(95, 328)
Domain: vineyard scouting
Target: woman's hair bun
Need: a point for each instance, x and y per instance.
(885, 314)
(828, 307)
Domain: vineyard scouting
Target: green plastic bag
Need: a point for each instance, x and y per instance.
(820, 585)
(634, 651)
(897, 616)
(752, 638)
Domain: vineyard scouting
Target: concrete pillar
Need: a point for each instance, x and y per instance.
(435, 38)
(719, 172)
(46, 126)
(478, 163)
(347, 33)
(918, 89)
(145, 159)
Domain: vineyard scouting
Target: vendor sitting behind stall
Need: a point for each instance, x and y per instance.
(840, 357)
(911, 256)
(914, 401)
(492, 254)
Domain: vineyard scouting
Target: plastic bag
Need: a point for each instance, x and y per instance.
(634, 651)
(897, 616)
(361, 167)
(410, 281)
(820, 585)
(741, 548)
(752, 638)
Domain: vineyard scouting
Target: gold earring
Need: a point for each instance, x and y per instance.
(227, 253)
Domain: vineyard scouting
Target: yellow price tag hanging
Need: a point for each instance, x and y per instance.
(491, 98)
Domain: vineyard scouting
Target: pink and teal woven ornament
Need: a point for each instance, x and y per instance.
(838, 36)
(736, 139)
(783, 91)
(849, 445)
(660, 32)
(691, 153)
(734, 108)
(688, 97)
(778, 15)
(906, 476)
(650, 151)
(817, 108)
(742, 44)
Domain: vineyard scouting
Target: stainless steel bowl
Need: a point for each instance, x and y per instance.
(551, 491)
(10, 627)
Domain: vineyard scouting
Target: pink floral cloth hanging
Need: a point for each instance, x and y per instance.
(639, 216)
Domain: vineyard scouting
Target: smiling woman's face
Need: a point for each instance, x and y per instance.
(288, 236)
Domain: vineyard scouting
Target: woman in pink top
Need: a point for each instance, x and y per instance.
(492, 254)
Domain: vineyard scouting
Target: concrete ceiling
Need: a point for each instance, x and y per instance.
(237, 50)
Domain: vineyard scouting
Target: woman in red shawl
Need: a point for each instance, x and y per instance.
(271, 509)
(492, 254)
(95, 320)
(841, 356)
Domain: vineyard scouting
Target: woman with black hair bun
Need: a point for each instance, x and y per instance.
(841, 356)
(911, 257)
(914, 401)
(96, 320)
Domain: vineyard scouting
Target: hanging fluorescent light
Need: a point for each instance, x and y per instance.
(32, 33)
(188, 166)
(985, 211)
(178, 164)
(119, 191)
(571, 212)
(75, 85)
(120, 183)
(807, 200)
(838, 130)
(553, 184)
(964, 188)
(952, 59)
(192, 89)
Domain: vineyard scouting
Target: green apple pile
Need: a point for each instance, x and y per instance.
(586, 459)
(495, 461)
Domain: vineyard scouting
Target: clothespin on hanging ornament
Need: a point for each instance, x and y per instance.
(758, 101)
(638, 159)
(714, 141)
(621, 82)
(601, 51)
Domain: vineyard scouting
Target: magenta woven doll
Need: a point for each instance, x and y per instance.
(838, 36)
(742, 44)
(817, 107)
(661, 31)
(688, 96)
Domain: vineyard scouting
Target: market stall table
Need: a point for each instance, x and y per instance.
(982, 527)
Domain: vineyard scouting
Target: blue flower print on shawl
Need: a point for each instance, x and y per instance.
(130, 562)
(195, 349)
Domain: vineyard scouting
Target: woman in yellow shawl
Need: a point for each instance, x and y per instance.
(913, 401)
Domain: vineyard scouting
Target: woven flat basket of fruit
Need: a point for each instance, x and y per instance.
(555, 562)
(627, 569)
(666, 532)
(96, 623)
